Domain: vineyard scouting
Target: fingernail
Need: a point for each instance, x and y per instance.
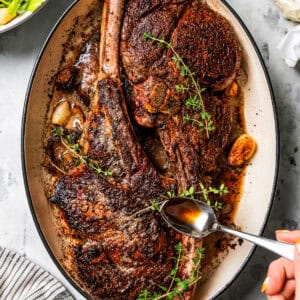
(282, 231)
(298, 245)
(265, 285)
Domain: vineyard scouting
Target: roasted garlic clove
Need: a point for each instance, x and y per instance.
(242, 150)
(76, 120)
(232, 90)
(61, 114)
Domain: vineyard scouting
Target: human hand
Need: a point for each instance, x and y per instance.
(283, 279)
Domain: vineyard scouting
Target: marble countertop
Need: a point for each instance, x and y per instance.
(18, 51)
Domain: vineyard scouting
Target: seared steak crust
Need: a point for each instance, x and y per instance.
(118, 253)
(207, 44)
(158, 17)
(202, 37)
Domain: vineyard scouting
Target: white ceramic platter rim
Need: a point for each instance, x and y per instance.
(26, 182)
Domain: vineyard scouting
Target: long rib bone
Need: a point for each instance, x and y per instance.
(110, 95)
(110, 32)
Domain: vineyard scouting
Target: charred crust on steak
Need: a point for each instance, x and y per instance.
(207, 43)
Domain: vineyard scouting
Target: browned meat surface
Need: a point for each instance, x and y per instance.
(115, 253)
(118, 254)
(193, 154)
(207, 44)
(206, 41)
(201, 36)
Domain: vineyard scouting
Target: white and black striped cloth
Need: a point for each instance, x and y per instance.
(20, 279)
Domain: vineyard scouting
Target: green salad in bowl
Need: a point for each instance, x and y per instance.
(11, 9)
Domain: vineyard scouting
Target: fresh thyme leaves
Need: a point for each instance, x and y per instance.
(204, 192)
(190, 193)
(171, 194)
(58, 131)
(176, 268)
(192, 88)
(155, 206)
(177, 285)
(75, 149)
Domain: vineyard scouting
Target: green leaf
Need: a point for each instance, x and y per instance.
(186, 118)
(177, 280)
(173, 272)
(195, 260)
(163, 288)
(191, 190)
(200, 251)
(178, 247)
(58, 131)
(180, 88)
(68, 139)
(34, 5)
(171, 194)
(183, 71)
(107, 173)
(183, 286)
(13, 7)
(143, 295)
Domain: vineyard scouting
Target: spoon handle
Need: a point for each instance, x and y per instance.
(282, 249)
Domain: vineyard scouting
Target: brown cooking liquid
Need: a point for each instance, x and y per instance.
(183, 211)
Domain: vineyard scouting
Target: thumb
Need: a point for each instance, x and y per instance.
(297, 269)
(287, 236)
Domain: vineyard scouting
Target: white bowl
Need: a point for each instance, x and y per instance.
(20, 19)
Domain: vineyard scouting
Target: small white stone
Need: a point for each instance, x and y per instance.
(289, 47)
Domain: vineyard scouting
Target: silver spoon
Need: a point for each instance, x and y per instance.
(197, 219)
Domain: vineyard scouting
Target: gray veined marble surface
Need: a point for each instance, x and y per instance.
(18, 51)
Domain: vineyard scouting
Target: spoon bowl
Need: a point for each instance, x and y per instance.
(190, 217)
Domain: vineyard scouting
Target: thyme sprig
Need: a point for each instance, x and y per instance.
(192, 87)
(154, 206)
(204, 193)
(177, 286)
(75, 149)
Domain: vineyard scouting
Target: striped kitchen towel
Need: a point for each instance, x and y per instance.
(20, 279)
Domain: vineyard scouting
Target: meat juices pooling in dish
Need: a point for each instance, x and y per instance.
(116, 140)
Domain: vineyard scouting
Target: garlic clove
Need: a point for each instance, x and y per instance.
(242, 150)
(61, 114)
(76, 120)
